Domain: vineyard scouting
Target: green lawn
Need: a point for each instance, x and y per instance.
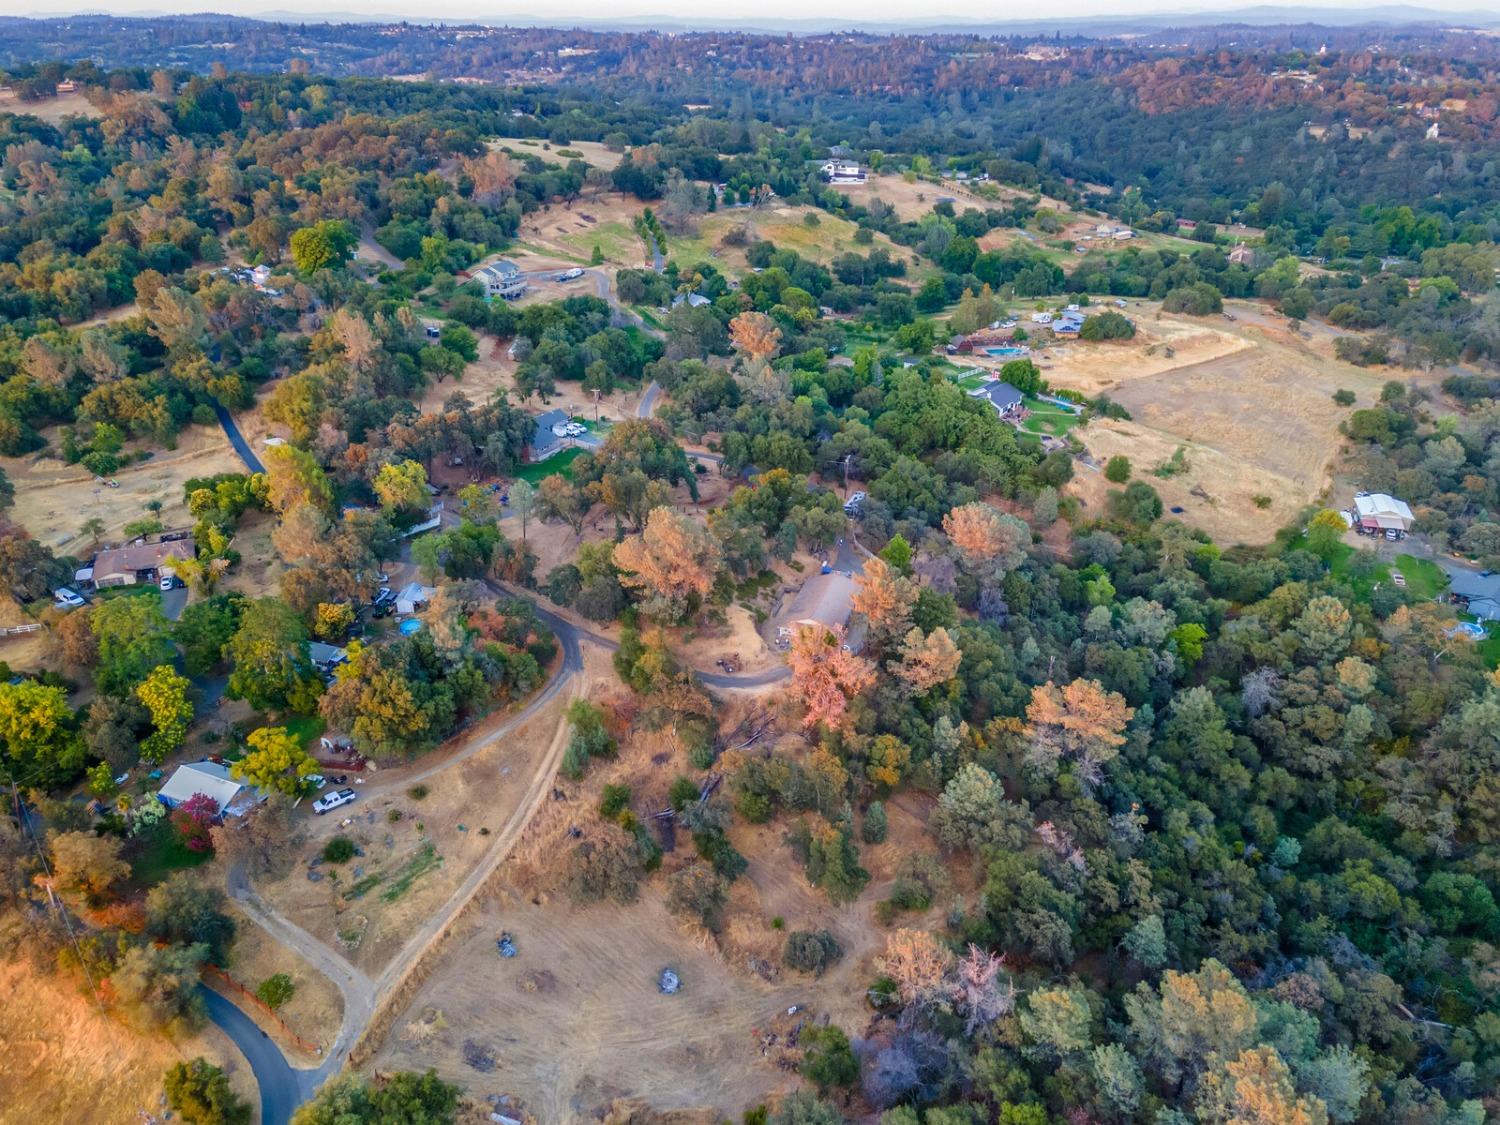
(159, 852)
(616, 241)
(1489, 648)
(1048, 419)
(1424, 579)
(305, 728)
(560, 463)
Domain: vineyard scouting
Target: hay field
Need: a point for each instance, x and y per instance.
(51, 110)
(591, 152)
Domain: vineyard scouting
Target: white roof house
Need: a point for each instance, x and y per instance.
(212, 780)
(413, 596)
(1376, 510)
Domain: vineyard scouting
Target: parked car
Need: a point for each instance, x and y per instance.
(66, 596)
(316, 780)
(1392, 534)
(170, 582)
(570, 275)
(334, 800)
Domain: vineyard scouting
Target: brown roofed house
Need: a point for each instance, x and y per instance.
(137, 562)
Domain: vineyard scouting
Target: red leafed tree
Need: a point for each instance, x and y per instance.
(194, 820)
(825, 675)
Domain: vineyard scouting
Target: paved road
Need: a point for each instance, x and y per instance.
(237, 440)
(647, 406)
(280, 1089)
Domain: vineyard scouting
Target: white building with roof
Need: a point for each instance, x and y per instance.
(213, 780)
(1375, 511)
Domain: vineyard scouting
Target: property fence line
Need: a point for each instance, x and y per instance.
(260, 1005)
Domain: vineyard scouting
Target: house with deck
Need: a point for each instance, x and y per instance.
(501, 278)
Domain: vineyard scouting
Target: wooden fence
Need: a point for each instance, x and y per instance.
(17, 630)
(220, 976)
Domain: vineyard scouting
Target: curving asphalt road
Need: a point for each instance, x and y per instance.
(237, 439)
(280, 1090)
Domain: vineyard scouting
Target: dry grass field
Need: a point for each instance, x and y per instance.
(316, 1008)
(369, 907)
(576, 1020)
(54, 499)
(51, 110)
(65, 1061)
(1250, 405)
(591, 152)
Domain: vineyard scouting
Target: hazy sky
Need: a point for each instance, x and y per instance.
(563, 12)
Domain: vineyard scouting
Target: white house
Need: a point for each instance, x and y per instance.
(413, 596)
(1377, 512)
(843, 172)
(501, 278)
(212, 780)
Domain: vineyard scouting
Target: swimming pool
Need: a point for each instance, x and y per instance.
(409, 626)
(1007, 351)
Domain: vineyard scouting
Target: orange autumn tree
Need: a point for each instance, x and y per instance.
(756, 335)
(917, 963)
(673, 561)
(927, 660)
(886, 598)
(1080, 721)
(987, 541)
(825, 676)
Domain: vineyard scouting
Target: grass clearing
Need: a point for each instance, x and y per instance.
(161, 852)
(559, 464)
(305, 728)
(1424, 578)
(1048, 418)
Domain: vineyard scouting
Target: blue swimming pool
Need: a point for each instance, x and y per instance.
(1007, 351)
(409, 626)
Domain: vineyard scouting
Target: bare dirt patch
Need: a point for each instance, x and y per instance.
(54, 499)
(66, 1061)
(910, 200)
(576, 1021)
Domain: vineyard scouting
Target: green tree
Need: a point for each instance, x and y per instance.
(158, 986)
(185, 912)
(1325, 531)
(165, 695)
(37, 733)
(1117, 469)
(276, 761)
(324, 245)
(134, 637)
(276, 990)
(270, 668)
(200, 1094)
(402, 1099)
(827, 1058)
(203, 630)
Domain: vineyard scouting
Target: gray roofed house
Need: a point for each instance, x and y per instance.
(825, 599)
(1477, 593)
(1002, 396)
(544, 440)
(692, 300)
(325, 657)
(501, 278)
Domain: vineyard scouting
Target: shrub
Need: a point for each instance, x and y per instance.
(1117, 469)
(827, 1058)
(1343, 397)
(810, 951)
(417, 792)
(1261, 500)
(276, 990)
(684, 792)
(338, 850)
(614, 801)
